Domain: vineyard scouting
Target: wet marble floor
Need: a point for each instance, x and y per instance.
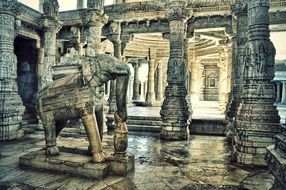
(202, 162)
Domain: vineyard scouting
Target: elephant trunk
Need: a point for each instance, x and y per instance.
(121, 95)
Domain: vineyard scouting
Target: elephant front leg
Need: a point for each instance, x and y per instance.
(93, 136)
(50, 134)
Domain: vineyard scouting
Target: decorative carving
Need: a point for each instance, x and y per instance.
(74, 96)
(51, 8)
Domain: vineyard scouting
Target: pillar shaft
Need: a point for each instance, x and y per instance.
(174, 112)
(240, 14)
(150, 96)
(159, 83)
(136, 82)
(257, 119)
(11, 105)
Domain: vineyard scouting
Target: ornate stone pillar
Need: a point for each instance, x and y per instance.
(159, 83)
(174, 112)
(278, 96)
(150, 96)
(95, 19)
(50, 25)
(136, 82)
(79, 4)
(11, 105)
(257, 118)
(283, 98)
(239, 9)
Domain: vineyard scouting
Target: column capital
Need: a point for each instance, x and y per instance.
(51, 9)
(50, 24)
(177, 10)
(94, 17)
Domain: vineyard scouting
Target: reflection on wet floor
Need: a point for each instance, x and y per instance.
(202, 162)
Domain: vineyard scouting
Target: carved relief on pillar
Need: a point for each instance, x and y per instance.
(257, 117)
(174, 112)
(51, 9)
(11, 105)
(94, 20)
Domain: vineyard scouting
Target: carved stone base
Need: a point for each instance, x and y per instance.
(121, 165)
(174, 132)
(66, 162)
(250, 146)
(277, 165)
(11, 112)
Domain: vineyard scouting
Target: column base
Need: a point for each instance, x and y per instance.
(121, 165)
(250, 147)
(230, 131)
(277, 165)
(110, 122)
(174, 132)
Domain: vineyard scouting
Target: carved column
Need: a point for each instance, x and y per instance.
(174, 112)
(239, 10)
(50, 25)
(187, 83)
(11, 105)
(257, 118)
(136, 82)
(95, 19)
(159, 83)
(150, 96)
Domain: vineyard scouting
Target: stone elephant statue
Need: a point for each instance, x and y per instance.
(78, 96)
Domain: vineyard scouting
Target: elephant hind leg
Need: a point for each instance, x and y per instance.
(50, 134)
(60, 124)
(93, 135)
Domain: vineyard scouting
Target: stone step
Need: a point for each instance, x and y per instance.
(144, 128)
(144, 122)
(208, 127)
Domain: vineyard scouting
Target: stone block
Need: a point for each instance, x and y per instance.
(66, 162)
(121, 165)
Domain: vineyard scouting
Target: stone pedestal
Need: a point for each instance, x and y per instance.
(121, 165)
(174, 112)
(11, 105)
(257, 119)
(71, 162)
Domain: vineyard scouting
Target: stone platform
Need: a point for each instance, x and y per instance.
(66, 162)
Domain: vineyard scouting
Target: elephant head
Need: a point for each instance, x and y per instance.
(102, 68)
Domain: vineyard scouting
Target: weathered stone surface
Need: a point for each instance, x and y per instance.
(80, 165)
(257, 119)
(79, 96)
(11, 105)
